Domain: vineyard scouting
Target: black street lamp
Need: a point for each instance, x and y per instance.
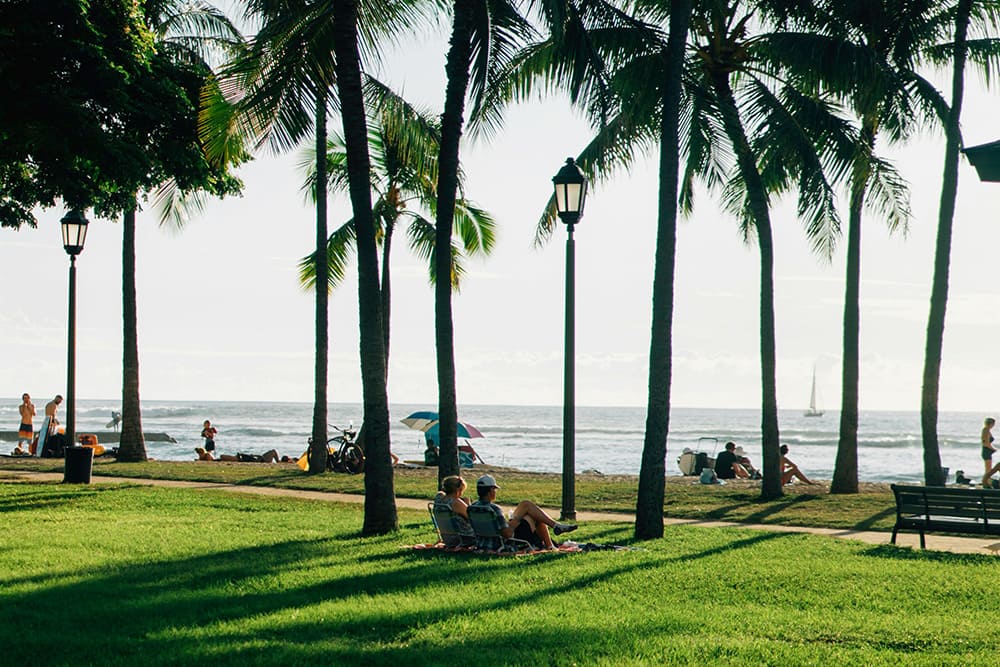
(571, 193)
(74, 233)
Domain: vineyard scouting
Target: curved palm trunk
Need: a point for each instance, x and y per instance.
(845, 471)
(457, 68)
(318, 452)
(132, 446)
(771, 486)
(380, 496)
(649, 503)
(942, 256)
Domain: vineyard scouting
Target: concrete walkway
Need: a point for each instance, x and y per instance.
(935, 542)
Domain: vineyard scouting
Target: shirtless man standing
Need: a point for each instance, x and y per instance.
(26, 431)
(50, 411)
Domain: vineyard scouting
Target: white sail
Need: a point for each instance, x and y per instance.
(812, 411)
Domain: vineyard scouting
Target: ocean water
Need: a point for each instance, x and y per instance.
(530, 438)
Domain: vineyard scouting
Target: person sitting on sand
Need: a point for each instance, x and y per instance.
(450, 498)
(207, 456)
(727, 465)
(789, 469)
(744, 460)
(431, 453)
(528, 521)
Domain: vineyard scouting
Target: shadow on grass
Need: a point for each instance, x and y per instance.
(868, 523)
(907, 553)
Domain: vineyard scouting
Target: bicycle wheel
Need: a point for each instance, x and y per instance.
(353, 459)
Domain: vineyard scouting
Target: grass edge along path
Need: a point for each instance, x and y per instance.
(123, 574)
(936, 542)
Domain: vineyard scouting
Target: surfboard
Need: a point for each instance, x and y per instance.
(43, 435)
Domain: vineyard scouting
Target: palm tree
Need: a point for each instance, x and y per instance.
(982, 17)
(280, 92)
(652, 471)
(190, 33)
(483, 36)
(779, 137)
(403, 143)
(611, 80)
(866, 52)
(380, 501)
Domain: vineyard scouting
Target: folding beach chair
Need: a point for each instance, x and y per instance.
(487, 528)
(445, 524)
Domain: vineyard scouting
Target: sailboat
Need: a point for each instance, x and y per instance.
(812, 411)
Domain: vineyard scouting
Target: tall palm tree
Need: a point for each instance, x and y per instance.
(380, 501)
(280, 92)
(652, 471)
(983, 18)
(194, 33)
(403, 144)
(779, 138)
(866, 52)
(484, 34)
(790, 132)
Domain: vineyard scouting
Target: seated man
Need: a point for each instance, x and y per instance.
(727, 465)
(528, 521)
(431, 453)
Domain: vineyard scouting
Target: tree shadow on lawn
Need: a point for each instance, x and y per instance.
(182, 611)
(27, 497)
(894, 552)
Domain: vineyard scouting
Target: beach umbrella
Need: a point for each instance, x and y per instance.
(428, 423)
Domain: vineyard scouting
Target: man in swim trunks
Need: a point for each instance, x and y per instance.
(50, 411)
(26, 431)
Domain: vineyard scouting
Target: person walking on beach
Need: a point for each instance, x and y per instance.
(986, 439)
(208, 432)
(26, 430)
(789, 469)
(51, 408)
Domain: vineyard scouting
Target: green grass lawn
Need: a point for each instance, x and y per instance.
(802, 505)
(120, 574)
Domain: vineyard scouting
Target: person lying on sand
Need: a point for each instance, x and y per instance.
(207, 456)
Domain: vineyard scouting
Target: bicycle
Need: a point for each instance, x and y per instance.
(343, 454)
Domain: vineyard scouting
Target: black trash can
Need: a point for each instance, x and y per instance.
(79, 465)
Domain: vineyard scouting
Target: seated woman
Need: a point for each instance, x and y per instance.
(789, 469)
(450, 498)
(528, 521)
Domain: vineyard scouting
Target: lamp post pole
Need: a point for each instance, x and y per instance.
(74, 233)
(71, 356)
(569, 385)
(570, 195)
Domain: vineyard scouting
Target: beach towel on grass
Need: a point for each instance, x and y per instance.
(565, 548)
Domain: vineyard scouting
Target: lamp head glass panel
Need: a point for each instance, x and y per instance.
(74, 232)
(571, 192)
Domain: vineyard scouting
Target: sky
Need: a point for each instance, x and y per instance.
(222, 317)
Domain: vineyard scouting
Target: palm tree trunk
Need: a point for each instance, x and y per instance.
(132, 446)
(942, 255)
(771, 486)
(457, 69)
(845, 471)
(649, 502)
(386, 291)
(318, 452)
(380, 496)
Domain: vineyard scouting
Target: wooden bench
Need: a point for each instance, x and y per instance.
(946, 509)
